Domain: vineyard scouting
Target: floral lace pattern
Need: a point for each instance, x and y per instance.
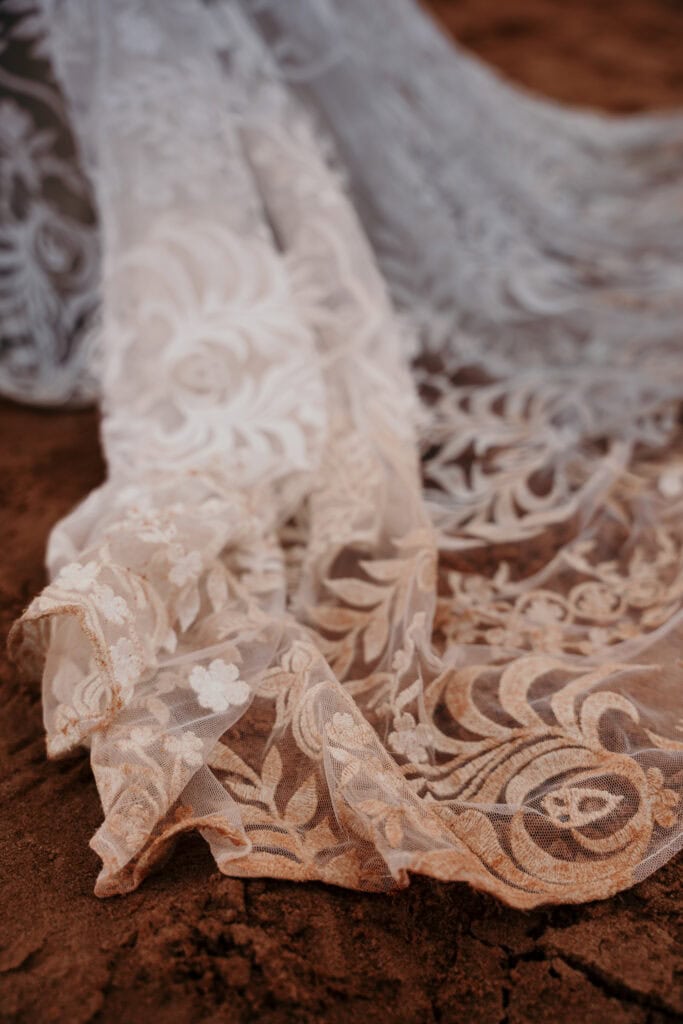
(350, 621)
(49, 252)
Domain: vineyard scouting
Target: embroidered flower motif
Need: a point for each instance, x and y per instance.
(543, 609)
(125, 662)
(140, 736)
(664, 801)
(186, 569)
(149, 525)
(78, 577)
(476, 589)
(346, 731)
(218, 686)
(596, 601)
(113, 607)
(188, 747)
(133, 824)
(410, 740)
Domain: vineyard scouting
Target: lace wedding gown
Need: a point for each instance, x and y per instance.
(387, 573)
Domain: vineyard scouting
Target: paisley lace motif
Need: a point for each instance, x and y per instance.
(348, 621)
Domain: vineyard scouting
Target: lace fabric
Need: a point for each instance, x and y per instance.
(387, 573)
(49, 250)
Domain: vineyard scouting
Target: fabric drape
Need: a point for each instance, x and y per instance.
(386, 576)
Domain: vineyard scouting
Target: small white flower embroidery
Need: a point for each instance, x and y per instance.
(125, 662)
(218, 686)
(149, 525)
(78, 577)
(410, 740)
(186, 569)
(346, 731)
(188, 747)
(113, 607)
(141, 736)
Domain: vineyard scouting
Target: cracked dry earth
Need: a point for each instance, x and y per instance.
(191, 945)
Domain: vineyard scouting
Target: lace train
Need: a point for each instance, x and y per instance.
(387, 574)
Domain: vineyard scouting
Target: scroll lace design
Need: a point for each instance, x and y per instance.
(348, 621)
(606, 604)
(49, 254)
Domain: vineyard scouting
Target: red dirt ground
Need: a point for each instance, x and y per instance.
(193, 946)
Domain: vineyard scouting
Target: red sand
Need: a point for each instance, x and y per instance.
(191, 945)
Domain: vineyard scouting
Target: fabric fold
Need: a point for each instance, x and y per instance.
(387, 573)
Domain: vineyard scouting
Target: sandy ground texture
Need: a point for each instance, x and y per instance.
(191, 945)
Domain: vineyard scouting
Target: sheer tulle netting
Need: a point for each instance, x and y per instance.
(387, 573)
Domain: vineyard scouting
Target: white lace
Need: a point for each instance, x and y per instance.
(271, 623)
